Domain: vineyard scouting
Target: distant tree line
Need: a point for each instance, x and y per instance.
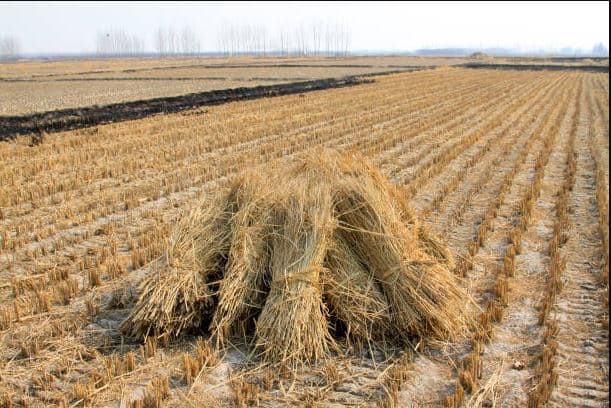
(169, 41)
(10, 48)
(118, 42)
(314, 38)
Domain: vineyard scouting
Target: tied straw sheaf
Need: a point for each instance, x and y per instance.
(298, 255)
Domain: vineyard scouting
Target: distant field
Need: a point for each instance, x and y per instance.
(29, 97)
(39, 86)
(509, 167)
(35, 68)
(30, 87)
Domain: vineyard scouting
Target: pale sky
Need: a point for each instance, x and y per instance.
(62, 27)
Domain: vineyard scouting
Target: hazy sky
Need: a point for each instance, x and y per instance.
(62, 27)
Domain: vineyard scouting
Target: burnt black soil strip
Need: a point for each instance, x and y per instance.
(541, 67)
(78, 118)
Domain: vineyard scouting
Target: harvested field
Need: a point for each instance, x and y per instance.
(21, 96)
(31, 87)
(540, 67)
(37, 69)
(77, 118)
(509, 167)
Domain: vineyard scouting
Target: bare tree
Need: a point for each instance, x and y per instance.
(118, 42)
(189, 42)
(599, 50)
(347, 40)
(160, 41)
(305, 39)
(225, 39)
(341, 38)
(10, 48)
(167, 41)
(301, 40)
(328, 39)
(317, 37)
(262, 37)
(173, 41)
(284, 42)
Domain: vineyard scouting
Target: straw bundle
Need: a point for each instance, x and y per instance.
(178, 294)
(293, 325)
(240, 294)
(287, 256)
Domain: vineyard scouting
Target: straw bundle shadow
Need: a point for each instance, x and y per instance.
(354, 296)
(286, 256)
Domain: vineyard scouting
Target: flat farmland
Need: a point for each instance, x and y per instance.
(31, 87)
(509, 167)
(39, 69)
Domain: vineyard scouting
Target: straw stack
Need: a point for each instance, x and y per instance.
(300, 256)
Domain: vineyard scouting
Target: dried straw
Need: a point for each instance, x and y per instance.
(435, 247)
(177, 295)
(241, 292)
(354, 296)
(280, 256)
(293, 324)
